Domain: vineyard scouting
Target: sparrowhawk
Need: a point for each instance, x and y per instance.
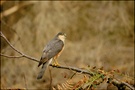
(51, 52)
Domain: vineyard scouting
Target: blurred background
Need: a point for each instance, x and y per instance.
(99, 33)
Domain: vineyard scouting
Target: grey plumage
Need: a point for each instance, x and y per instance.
(44, 67)
(50, 50)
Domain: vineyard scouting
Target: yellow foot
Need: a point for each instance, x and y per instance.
(55, 63)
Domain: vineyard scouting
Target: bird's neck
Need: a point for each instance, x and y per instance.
(62, 38)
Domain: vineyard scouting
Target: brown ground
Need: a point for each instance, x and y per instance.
(99, 33)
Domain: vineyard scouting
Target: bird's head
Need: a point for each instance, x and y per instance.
(61, 36)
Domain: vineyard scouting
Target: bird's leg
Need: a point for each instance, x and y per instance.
(55, 62)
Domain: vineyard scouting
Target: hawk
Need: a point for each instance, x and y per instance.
(51, 52)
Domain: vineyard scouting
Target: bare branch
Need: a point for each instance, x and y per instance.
(124, 83)
(11, 56)
(25, 82)
(132, 88)
(3, 36)
(50, 78)
(74, 69)
(22, 54)
(119, 84)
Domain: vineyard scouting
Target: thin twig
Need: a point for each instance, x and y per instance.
(13, 30)
(50, 78)
(22, 54)
(25, 82)
(3, 36)
(132, 88)
(11, 56)
(74, 69)
(124, 83)
(119, 84)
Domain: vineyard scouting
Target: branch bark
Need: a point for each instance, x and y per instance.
(11, 56)
(21, 53)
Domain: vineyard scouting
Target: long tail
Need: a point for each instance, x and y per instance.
(44, 67)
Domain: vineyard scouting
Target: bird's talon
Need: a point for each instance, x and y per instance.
(54, 64)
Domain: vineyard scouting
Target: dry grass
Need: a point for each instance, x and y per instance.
(99, 33)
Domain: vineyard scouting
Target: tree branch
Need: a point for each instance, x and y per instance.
(74, 69)
(11, 56)
(128, 85)
(22, 54)
(119, 84)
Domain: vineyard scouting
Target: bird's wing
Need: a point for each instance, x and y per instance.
(51, 49)
(55, 48)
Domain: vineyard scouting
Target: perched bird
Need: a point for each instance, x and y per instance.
(51, 52)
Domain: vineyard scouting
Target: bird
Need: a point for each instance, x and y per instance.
(51, 52)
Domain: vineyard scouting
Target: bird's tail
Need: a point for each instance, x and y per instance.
(42, 71)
